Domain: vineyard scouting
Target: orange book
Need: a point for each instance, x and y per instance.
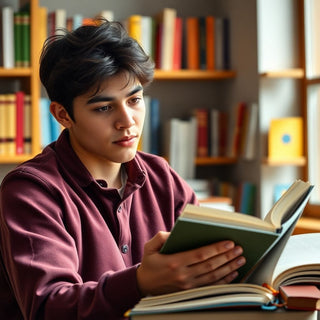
(210, 42)
(192, 43)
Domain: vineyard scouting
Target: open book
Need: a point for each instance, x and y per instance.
(299, 263)
(199, 226)
(263, 242)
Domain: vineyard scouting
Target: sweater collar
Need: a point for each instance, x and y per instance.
(74, 167)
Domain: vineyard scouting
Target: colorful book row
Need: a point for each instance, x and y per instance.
(15, 124)
(183, 43)
(227, 134)
(172, 41)
(15, 38)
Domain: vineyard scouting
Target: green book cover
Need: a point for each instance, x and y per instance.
(199, 226)
(190, 234)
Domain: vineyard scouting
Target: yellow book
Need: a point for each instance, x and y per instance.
(286, 138)
(134, 27)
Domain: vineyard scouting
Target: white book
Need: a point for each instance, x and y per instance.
(146, 34)
(106, 14)
(146, 132)
(8, 37)
(167, 21)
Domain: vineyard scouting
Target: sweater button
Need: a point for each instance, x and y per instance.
(125, 249)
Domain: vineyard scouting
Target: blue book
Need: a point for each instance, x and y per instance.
(45, 122)
(55, 128)
(155, 126)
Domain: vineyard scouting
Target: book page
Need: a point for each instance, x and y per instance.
(287, 204)
(263, 271)
(222, 216)
(301, 250)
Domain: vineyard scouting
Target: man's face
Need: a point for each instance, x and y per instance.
(108, 123)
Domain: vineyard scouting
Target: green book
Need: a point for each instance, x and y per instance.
(25, 39)
(199, 226)
(17, 39)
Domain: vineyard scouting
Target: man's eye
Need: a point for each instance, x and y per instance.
(135, 100)
(103, 109)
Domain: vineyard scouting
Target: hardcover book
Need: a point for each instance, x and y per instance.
(292, 279)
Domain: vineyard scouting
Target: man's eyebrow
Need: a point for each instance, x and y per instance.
(102, 98)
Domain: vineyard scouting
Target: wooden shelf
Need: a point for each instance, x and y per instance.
(15, 159)
(215, 161)
(193, 75)
(313, 81)
(301, 161)
(297, 73)
(15, 72)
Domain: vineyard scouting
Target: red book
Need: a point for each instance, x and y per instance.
(19, 121)
(192, 43)
(210, 42)
(202, 116)
(177, 45)
(238, 128)
(157, 58)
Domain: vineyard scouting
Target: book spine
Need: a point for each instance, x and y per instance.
(27, 124)
(134, 27)
(210, 54)
(19, 122)
(167, 46)
(3, 124)
(155, 126)
(11, 120)
(214, 132)
(177, 50)
(192, 43)
(17, 39)
(202, 43)
(146, 34)
(218, 37)
(25, 39)
(45, 122)
(202, 117)
(8, 37)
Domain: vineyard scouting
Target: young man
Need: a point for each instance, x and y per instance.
(83, 222)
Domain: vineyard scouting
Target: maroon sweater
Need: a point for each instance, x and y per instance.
(70, 245)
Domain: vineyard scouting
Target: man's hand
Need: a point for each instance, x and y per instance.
(164, 273)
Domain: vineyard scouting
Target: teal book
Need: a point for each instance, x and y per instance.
(200, 226)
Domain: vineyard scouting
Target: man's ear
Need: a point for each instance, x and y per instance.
(60, 114)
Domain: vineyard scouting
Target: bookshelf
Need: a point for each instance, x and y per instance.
(252, 78)
(26, 79)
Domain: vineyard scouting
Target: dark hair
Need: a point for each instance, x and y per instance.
(75, 62)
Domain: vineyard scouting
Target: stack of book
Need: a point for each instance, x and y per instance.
(15, 37)
(15, 124)
(276, 265)
(173, 42)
